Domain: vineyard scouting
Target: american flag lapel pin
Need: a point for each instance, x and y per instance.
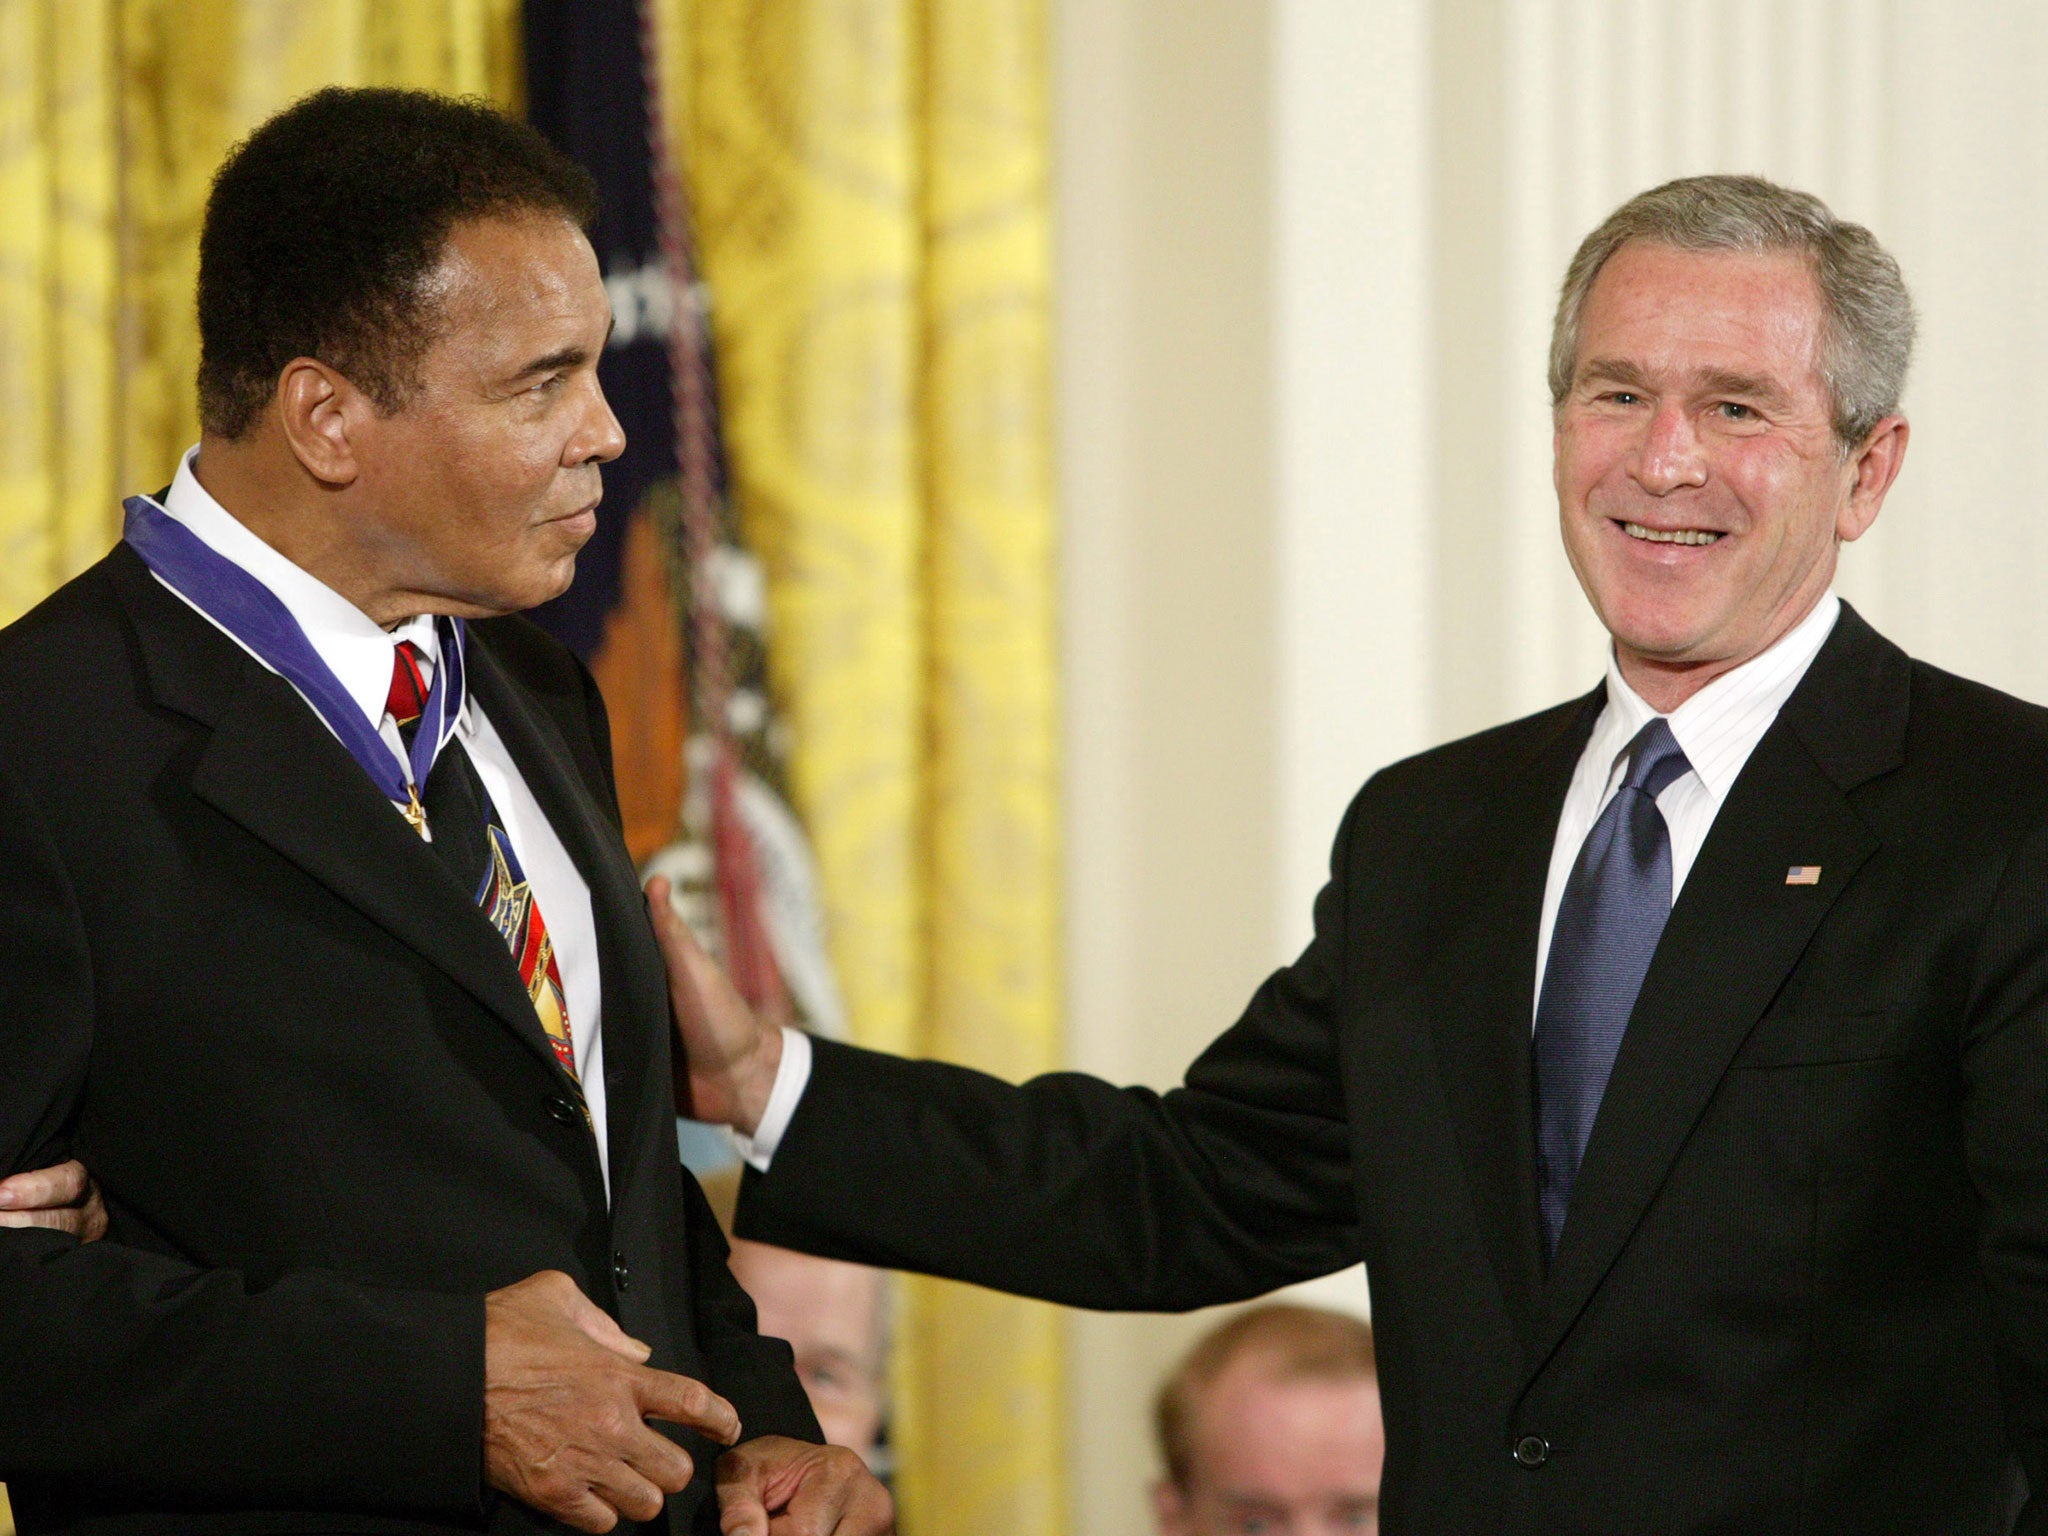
(1803, 874)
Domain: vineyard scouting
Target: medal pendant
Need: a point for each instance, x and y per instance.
(415, 814)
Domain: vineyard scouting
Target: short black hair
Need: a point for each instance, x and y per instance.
(324, 222)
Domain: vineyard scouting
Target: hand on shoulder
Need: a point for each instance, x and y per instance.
(725, 1069)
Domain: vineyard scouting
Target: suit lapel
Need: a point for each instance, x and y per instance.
(272, 768)
(1479, 998)
(1735, 934)
(634, 986)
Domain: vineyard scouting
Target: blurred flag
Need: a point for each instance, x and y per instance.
(669, 606)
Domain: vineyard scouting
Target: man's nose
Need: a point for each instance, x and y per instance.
(600, 438)
(1671, 456)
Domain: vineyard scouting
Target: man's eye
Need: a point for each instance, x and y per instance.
(1735, 410)
(1622, 397)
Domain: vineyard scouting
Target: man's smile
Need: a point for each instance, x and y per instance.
(1668, 535)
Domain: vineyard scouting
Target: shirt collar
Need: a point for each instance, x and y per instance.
(356, 649)
(1718, 727)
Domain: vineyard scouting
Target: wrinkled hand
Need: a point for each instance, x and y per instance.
(63, 1197)
(726, 1068)
(566, 1396)
(779, 1487)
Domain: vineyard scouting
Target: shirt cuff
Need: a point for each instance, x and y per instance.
(791, 1078)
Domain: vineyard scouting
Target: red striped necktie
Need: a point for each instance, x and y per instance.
(465, 825)
(408, 695)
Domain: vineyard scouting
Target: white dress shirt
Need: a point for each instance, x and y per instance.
(1717, 728)
(359, 653)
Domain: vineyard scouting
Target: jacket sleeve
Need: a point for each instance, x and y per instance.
(1071, 1190)
(2005, 1097)
(128, 1372)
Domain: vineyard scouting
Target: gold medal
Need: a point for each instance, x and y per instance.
(415, 814)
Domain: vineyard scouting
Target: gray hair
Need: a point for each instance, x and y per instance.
(1866, 313)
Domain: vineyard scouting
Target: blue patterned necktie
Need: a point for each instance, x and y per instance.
(1614, 910)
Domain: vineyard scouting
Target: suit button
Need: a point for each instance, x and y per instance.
(1532, 1450)
(622, 1274)
(561, 1109)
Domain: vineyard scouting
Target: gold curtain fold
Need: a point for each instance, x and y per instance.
(992, 992)
(59, 291)
(871, 185)
(113, 117)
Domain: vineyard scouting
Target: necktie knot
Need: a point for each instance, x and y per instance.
(407, 699)
(1655, 759)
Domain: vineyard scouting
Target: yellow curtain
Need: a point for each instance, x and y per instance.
(113, 116)
(872, 197)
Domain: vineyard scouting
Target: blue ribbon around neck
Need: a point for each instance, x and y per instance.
(252, 613)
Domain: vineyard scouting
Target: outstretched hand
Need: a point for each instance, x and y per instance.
(726, 1067)
(63, 1198)
(775, 1486)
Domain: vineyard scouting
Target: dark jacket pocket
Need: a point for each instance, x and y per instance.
(1809, 1039)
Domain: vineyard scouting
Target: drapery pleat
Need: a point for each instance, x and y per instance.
(61, 291)
(871, 184)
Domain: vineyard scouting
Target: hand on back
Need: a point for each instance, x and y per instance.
(726, 1067)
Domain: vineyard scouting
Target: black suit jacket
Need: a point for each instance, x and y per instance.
(304, 1071)
(1803, 1286)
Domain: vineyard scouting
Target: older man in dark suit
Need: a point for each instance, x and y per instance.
(324, 950)
(1676, 1060)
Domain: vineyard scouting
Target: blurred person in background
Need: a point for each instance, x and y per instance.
(1270, 1426)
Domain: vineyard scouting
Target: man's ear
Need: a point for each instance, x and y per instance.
(319, 411)
(1875, 464)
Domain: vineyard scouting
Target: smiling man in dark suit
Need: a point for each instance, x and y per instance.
(323, 948)
(1676, 1060)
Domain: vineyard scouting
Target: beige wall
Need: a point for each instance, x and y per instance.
(1166, 383)
(1308, 254)
(1216, 713)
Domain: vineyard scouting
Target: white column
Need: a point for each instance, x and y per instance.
(1962, 547)
(1166, 337)
(1352, 383)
